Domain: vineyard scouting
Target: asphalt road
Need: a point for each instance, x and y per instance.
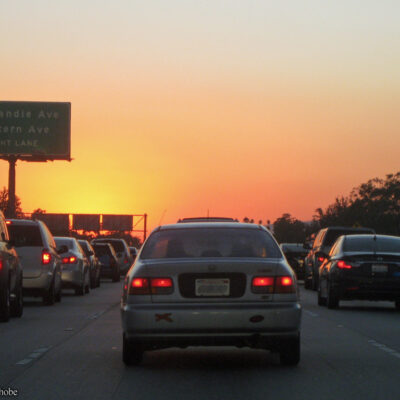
(73, 351)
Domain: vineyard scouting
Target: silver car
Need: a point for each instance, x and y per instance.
(39, 258)
(75, 266)
(211, 283)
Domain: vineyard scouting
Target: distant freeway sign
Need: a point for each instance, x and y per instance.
(35, 131)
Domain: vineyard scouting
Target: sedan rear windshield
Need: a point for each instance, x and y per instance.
(25, 235)
(102, 250)
(210, 242)
(117, 244)
(371, 245)
(333, 234)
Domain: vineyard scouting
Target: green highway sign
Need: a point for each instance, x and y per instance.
(36, 131)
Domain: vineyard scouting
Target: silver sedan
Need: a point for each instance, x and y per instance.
(211, 284)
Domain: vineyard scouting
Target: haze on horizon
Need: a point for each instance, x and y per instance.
(182, 108)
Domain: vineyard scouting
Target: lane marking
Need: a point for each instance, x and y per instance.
(36, 354)
(384, 348)
(311, 313)
(24, 361)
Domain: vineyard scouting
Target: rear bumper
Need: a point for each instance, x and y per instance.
(40, 283)
(71, 278)
(350, 288)
(193, 324)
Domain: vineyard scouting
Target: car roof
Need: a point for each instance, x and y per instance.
(193, 225)
(349, 228)
(15, 221)
(207, 219)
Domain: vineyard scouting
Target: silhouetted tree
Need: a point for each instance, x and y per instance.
(289, 230)
(4, 203)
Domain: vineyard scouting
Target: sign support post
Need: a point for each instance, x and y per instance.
(10, 213)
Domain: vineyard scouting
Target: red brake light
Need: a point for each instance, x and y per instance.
(69, 260)
(284, 284)
(151, 286)
(321, 259)
(1, 264)
(8, 222)
(263, 281)
(343, 265)
(46, 257)
(140, 283)
(161, 283)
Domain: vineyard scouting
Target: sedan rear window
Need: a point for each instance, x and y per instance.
(117, 244)
(25, 235)
(210, 242)
(370, 245)
(333, 234)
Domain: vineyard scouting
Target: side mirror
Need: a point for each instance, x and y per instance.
(62, 249)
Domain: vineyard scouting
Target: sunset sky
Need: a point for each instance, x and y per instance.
(179, 108)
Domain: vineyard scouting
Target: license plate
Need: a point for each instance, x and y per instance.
(212, 287)
(379, 268)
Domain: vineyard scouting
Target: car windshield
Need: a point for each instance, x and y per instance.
(210, 242)
(371, 245)
(25, 235)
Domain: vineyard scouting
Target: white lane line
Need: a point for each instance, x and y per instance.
(33, 356)
(311, 313)
(384, 348)
(24, 361)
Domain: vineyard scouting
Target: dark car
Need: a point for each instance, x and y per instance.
(109, 267)
(363, 267)
(295, 254)
(94, 263)
(11, 301)
(320, 249)
(122, 252)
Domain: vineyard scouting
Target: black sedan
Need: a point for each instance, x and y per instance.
(361, 267)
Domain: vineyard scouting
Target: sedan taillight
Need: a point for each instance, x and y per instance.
(69, 260)
(341, 264)
(46, 257)
(151, 286)
(269, 284)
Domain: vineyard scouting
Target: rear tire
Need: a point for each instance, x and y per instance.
(5, 304)
(116, 276)
(289, 352)
(87, 282)
(321, 300)
(50, 297)
(132, 354)
(307, 284)
(332, 300)
(17, 306)
(80, 291)
(314, 284)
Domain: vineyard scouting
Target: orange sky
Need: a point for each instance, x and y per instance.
(237, 110)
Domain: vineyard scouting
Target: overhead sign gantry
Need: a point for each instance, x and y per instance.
(33, 131)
